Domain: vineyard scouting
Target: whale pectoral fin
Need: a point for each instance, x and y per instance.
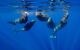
(11, 22)
(22, 29)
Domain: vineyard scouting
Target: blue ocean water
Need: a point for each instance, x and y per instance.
(37, 38)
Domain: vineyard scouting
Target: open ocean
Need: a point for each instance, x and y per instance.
(38, 37)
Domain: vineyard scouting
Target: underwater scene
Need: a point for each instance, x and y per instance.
(39, 25)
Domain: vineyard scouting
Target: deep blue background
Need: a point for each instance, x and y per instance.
(68, 38)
